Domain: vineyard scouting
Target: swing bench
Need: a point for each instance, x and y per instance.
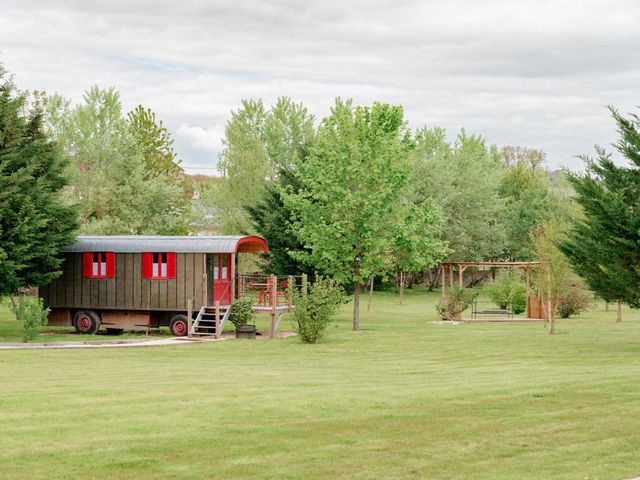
(498, 311)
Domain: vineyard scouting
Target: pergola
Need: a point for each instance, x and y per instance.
(534, 304)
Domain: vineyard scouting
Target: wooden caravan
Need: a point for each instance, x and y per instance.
(140, 282)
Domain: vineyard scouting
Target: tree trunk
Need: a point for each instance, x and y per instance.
(401, 285)
(370, 294)
(619, 318)
(356, 296)
(606, 306)
(15, 309)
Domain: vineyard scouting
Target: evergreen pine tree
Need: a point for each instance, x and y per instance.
(604, 245)
(34, 222)
(272, 220)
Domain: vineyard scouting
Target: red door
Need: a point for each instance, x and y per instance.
(222, 278)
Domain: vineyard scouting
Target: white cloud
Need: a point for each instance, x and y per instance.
(535, 73)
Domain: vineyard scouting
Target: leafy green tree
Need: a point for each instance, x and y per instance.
(35, 223)
(463, 181)
(529, 202)
(259, 144)
(355, 177)
(111, 171)
(604, 243)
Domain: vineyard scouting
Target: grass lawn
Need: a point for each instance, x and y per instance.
(402, 398)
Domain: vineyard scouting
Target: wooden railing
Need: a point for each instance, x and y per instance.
(269, 290)
(192, 299)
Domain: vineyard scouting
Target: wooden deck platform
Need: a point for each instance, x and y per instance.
(502, 319)
(268, 309)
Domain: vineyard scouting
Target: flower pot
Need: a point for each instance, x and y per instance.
(246, 331)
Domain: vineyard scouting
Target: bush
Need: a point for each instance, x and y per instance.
(508, 291)
(241, 312)
(574, 302)
(31, 312)
(315, 311)
(458, 300)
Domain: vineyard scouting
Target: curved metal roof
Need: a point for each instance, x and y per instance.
(148, 243)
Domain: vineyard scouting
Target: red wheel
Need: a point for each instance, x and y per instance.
(86, 322)
(179, 326)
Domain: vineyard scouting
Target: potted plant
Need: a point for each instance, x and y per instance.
(241, 316)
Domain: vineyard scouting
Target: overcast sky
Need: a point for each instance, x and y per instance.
(537, 74)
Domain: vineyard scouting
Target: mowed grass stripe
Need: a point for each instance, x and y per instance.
(400, 399)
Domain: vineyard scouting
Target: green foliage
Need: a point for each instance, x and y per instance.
(35, 223)
(153, 141)
(463, 181)
(271, 218)
(457, 301)
(241, 312)
(315, 310)
(604, 242)
(575, 301)
(508, 291)
(528, 203)
(352, 183)
(31, 312)
(259, 144)
(554, 278)
(121, 172)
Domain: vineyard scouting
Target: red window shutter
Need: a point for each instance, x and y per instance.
(111, 264)
(87, 264)
(147, 265)
(171, 265)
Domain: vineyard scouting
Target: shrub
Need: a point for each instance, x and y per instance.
(241, 312)
(458, 300)
(315, 311)
(574, 302)
(31, 312)
(508, 291)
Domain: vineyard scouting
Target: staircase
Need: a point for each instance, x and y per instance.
(205, 323)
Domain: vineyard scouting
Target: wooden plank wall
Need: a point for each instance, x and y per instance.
(127, 290)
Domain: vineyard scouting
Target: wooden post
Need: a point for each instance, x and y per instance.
(218, 319)
(204, 289)
(233, 277)
(443, 285)
(189, 315)
(451, 276)
(274, 299)
(526, 275)
(290, 287)
(370, 294)
(552, 323)
(461, 270)
(304, 285)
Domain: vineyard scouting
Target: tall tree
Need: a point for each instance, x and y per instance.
(259, 144)
(529, 202)
(34, 221)
(355, 177)
(463, 180)
(604, 244)
(153, 141)
(271, 218)
(116, 173)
